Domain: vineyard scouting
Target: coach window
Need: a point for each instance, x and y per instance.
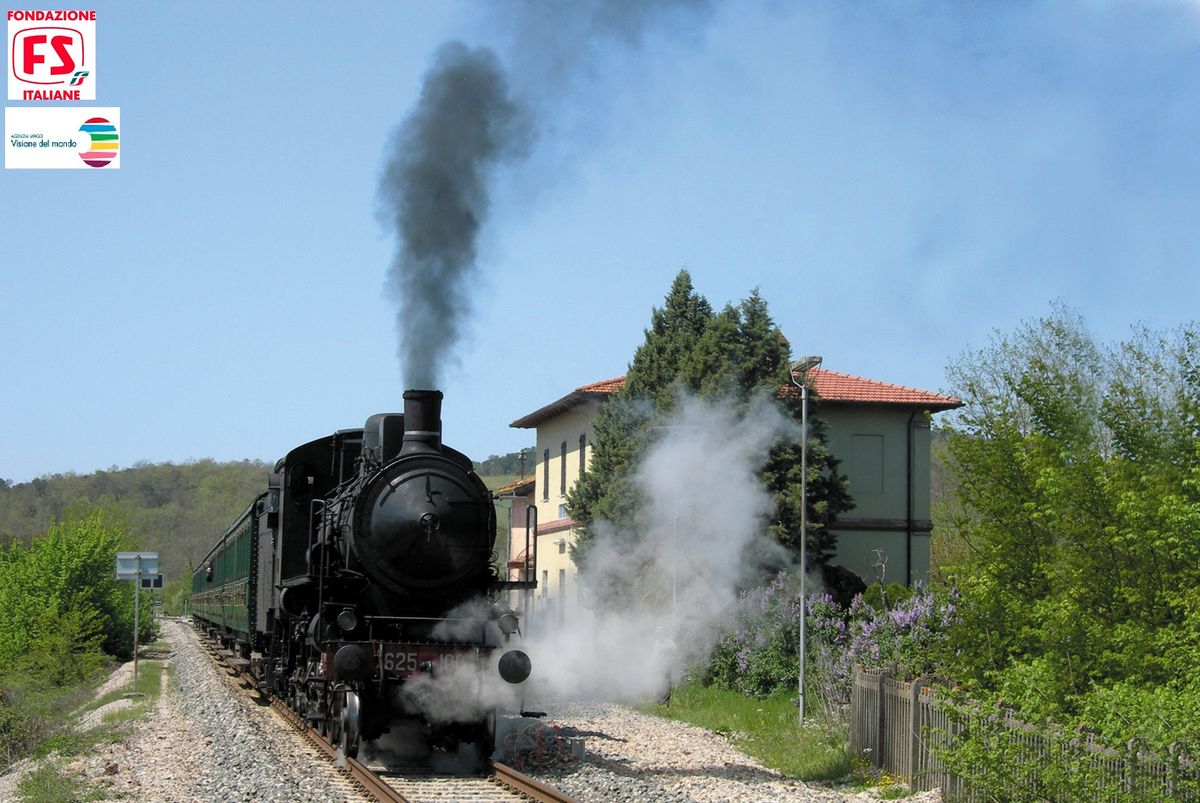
(546, 475)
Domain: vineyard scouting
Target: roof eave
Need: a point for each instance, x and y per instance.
(567, 403)
(933, 407)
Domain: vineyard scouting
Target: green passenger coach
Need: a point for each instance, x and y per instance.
(224, 584)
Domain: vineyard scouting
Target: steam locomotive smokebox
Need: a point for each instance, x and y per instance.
(424, 526)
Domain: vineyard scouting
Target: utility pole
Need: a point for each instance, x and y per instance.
(137, 587)
(803, 366)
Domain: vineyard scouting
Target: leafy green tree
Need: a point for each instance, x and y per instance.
(1077, 506)
(732, 356)
(60, 604)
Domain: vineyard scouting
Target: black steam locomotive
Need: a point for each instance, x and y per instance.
(360, 586)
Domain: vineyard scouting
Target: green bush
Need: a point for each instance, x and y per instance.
(176, 596)
(60, 603)
(894, 593)
(62, 614)
(16, 730)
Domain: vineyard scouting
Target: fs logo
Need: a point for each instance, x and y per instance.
(48, 56)
(51, 55)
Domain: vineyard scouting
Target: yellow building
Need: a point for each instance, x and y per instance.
(564, 438)
(879, 431)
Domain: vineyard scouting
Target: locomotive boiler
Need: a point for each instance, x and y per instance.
(361, 582)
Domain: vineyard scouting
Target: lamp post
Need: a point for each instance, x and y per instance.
(803, 366)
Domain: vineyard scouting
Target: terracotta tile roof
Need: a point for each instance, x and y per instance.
(604, 386)
(577, 397)
(830, 386)
(834, 386)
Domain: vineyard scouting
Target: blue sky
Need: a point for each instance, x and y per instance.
(897, 179)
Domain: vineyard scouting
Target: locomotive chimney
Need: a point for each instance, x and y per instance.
(422, 422)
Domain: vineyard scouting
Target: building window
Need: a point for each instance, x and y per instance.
(562, 593)
(562, 473)
(866, 465)
(545, 582)
(562, 546)
(582, 454)
(562, 511)
(546, 475)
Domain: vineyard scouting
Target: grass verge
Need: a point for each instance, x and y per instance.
(58, 735)
(48, 784)
(149, 686)
(766, 729)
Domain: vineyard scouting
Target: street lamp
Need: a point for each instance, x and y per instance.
(803, 366)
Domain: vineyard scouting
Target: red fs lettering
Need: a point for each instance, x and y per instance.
(47, 56)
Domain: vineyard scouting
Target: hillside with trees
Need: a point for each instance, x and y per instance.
(507, 465)
(177, 510)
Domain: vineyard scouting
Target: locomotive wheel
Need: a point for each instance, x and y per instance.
(335, 720)
(346, 722)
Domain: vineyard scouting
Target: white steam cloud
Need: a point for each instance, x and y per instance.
(699, 536)
(460, 692)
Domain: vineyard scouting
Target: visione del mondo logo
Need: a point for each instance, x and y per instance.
(102, 142)
(62, 137)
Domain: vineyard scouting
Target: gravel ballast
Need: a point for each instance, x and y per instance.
(204, 742)
(637, 757)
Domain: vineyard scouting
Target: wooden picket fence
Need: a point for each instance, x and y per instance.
(904, 729)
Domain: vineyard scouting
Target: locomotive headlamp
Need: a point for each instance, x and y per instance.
(347, 620)
(507, 622)
(515, 666)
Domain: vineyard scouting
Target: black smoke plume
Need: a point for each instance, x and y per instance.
(435, 192)
(468, 121)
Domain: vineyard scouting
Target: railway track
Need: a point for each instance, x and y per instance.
(408, 784)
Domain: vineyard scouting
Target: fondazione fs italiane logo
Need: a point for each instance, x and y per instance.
(52, 55)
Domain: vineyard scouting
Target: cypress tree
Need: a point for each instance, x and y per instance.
(623, 426)
(729, 356)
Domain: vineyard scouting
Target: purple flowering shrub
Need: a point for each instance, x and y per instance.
(762, 653)
(907, 635)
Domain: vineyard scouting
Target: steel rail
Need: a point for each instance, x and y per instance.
(530, 787)
(366, 779)
(370, 783)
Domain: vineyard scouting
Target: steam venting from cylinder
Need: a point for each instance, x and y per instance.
(422, 422)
